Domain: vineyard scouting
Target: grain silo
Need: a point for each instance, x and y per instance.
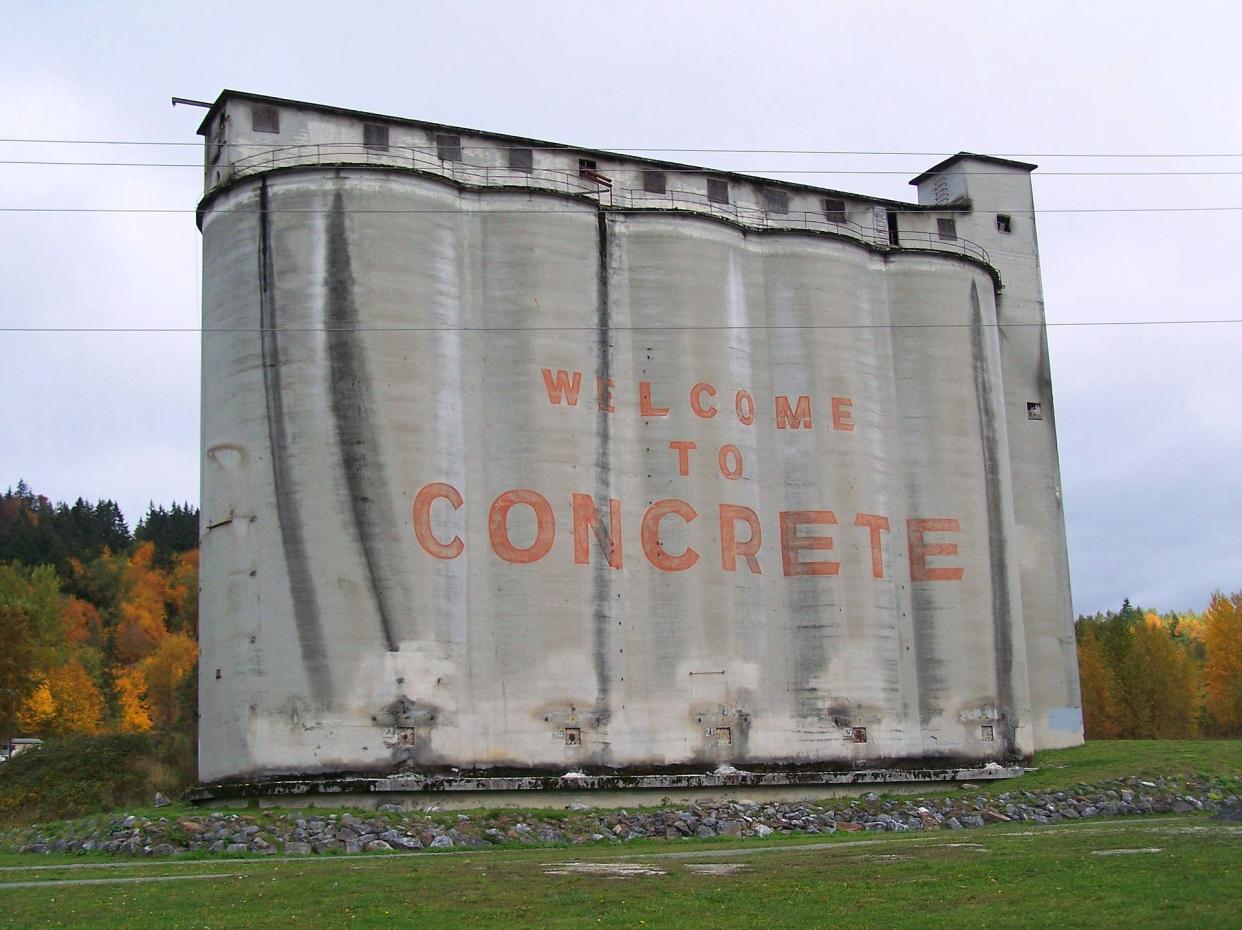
(528, 465)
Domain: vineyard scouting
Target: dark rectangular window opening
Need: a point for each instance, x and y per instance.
(834, 210)
(717, 190)
(1004, 223)
(448, 146)
(655, 182)
(893, 238)
(776, 201)
(265, 119)
(1034, 410)
(946, 227)
(588, 168)
(521, 159)
(858, 734)
(375, 137)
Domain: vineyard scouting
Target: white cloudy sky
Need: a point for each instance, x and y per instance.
(1150, 417)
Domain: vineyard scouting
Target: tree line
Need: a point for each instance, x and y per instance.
(98, 626)
(1146, 675)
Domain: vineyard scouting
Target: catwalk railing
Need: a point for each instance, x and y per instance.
(608, 190)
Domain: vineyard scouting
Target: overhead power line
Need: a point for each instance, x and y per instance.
(559, 329)
(626, 148)
(913, 209)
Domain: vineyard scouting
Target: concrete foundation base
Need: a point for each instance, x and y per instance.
(464, 792)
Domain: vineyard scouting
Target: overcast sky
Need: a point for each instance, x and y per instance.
(1149, 417)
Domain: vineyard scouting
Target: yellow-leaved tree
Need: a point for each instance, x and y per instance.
(1100, 718)
(38, 710)
(143, 607)
(130, 687)
(66, 701)
(163, 671)
(1222, 666)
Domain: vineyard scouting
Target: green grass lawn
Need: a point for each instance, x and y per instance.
(1182, 871)
(1174, 872)
(1105, 759)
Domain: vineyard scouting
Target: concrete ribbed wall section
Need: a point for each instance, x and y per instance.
(501, 481)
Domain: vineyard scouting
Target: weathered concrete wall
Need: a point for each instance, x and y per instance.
(379, 386)
(995, 190)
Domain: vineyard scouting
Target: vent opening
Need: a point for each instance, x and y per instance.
(834, 210)
(264, 119)
(448, 146)
(375, 137)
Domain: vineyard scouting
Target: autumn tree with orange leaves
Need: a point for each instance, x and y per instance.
(1222, 666)
(103, 637)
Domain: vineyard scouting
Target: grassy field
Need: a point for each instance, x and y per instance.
(1105, 759)
(1145, 872)
(1179, 871)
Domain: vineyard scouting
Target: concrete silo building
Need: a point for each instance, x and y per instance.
(529, 465)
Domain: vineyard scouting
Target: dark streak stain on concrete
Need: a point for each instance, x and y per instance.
(352, 413)
(297, 560)
(928, 666)
(601, 578)
(1001, 620)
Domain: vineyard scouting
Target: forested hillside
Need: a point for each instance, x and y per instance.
(98, 627)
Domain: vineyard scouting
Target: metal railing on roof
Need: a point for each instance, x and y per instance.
(589, 184)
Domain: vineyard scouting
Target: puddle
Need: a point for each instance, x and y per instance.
(717, 868)
(604, 869)
(879, 857)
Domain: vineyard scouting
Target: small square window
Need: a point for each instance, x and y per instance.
(834, 210)
(858, 734)
(987, 732)
(776, 201)
(655, 182)
(265, 119)
(946, 227)
(717, 190)
(1034, 410)
(521, 159)
(573, 736)
(375, 137)
(1004, 223)
(448, 146)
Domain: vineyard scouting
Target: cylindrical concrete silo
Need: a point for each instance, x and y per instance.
(516, 483)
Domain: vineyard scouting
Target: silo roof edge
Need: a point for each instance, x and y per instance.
(905, 205)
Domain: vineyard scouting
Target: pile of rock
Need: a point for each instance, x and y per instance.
(394, 827)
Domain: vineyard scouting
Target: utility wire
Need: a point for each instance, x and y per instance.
(722, 327)
(892, 208)
(621, 149)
